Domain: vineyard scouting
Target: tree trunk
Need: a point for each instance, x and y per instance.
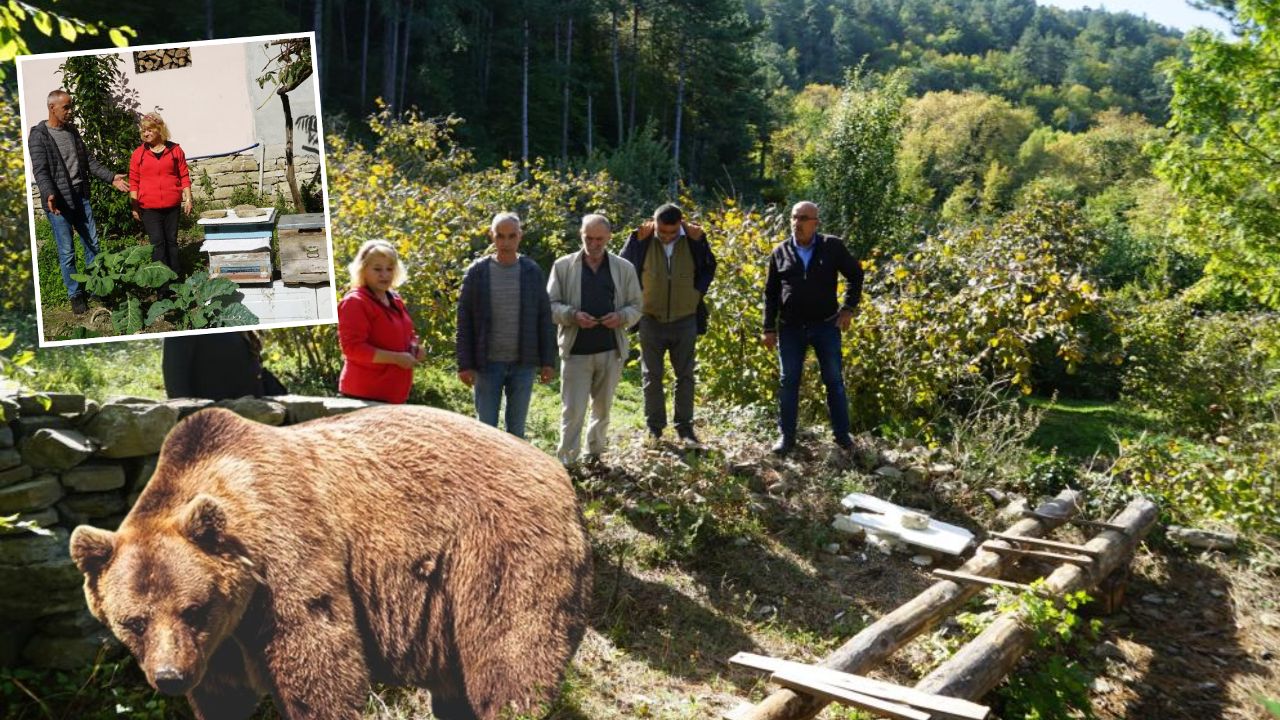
(391, 55)
(208, 19)
(675, 144)
(342, 30)
(364, 56)
(617, 73)
(289, 173)
(317, 23)
(568, 74)
(589, 128)
(404, 54)
(488, 59)
(635, 64)
(524, 105)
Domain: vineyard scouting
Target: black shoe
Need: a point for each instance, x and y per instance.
(783, 446)
(845, 442)
(79, 305)
(654, 437)
(688, 438)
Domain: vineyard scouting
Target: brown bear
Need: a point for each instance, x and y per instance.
(402, 545)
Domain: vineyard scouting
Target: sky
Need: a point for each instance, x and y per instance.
(1174, 13)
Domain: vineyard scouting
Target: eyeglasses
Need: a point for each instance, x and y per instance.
(804, 218)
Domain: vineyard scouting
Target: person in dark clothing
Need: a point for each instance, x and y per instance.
(675, 274)
(215, 366)
(62, 166)
(801, 310)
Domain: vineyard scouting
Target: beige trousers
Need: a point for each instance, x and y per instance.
(586, 378)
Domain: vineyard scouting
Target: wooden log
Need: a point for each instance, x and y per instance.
(882, 638)
(980, 579)
(981, 664)
(1040, 542)
(809, 683)
(1041, 554)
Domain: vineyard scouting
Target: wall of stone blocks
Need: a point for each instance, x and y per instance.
(66, 460)
(230, 172)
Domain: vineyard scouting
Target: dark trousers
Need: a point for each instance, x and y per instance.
(679, 338)
(162, 227)
(793, 342)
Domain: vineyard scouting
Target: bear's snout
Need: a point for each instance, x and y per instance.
(170, 681)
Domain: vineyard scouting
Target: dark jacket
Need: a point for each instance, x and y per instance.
(51, 174)
(216, 366)
(537, 332)
(704, 268)
(802, 297)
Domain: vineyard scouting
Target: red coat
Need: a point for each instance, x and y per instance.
(159, 181)
(365, 326)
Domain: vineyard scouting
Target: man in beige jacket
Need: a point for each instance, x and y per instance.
(595, 297)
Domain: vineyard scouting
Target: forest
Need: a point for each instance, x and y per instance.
(1067, 222)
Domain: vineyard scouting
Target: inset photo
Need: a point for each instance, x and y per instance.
(176, 189)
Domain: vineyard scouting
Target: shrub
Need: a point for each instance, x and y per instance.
(15, 247)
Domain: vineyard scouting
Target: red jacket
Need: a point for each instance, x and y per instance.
(159, 181)
(365, 326)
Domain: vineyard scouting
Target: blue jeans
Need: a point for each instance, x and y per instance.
(511, 379)
(793, 343)
(81, 221)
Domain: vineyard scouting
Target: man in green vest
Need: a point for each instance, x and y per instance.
(675, 273)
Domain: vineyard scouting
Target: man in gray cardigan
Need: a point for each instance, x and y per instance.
(595, 297)
(61, 165)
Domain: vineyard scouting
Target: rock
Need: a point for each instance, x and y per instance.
(765, 611)
(1271, 620)
(908, 444)
(1203, 539)
(1014, 511)
(341, 406)
(267, 412)
(15, 475)
(831, 548)
(36, 494)
(888, 472)
(29, 424)
(140, 472)
(6, 436)
(880, 543)
(741, 542)
(301, 408)
(1153, 599)
(13, 637)
(130, 430)
(187, 406)
(916, 475)
(93, 478)
(914, 520)
(1109, 650)
(31, 549)
(941, 469)
(39, 580)
(889, 457)
(997, 496)
(58, 403)
(922, 560)
(1101, 685)
(130, 400)
(55, 449)
(843, 524)
(8, 408)
(72, 624)
(61, 653)
(41, 518)
(9, 458)
(82, 508)
(91, 408)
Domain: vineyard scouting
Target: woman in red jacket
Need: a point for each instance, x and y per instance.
(159, 183)
(379, 345)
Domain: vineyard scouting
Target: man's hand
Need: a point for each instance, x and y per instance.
(53, 206)
(694, 231)
(120, 183)
(645, 230)
(584, 320)
(843, 319)
(546, 374)
(468, 377)
(769, 339)
(613, 321)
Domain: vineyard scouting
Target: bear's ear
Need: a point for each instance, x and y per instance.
(91, 548)
(204, 523)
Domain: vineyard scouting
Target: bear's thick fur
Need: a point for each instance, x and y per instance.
(403, 545)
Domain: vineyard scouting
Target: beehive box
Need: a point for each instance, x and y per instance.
(239, 248)
(242, 267)
(304, 248)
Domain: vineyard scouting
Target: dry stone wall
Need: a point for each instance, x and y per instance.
(231, 172)
(66, 460)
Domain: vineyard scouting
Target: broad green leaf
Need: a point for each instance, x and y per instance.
(100, 286)
(138, 254)
(118, 38)
(237, 314)
(157, 310)
(7, 340)
(43, 22)
(153, 275)
(131, 321)
(16, 8)
(66, 30)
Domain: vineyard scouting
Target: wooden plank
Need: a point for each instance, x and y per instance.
(1080, 521)
(1041, 542)
(807, 683)
(979, 579)
(1058, 557)
(933, 538)
(946, 706)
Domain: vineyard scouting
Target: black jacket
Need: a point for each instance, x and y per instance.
(50, 172)
(801, 297)
(537, 331)
(216, 366)
(704, 268)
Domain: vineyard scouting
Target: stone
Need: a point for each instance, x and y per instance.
(341, 406)
(1203, 539)
(58, 404)
(72, 624)
(140, 472)
(93, 477)
(301, 408)
(1109, 650)
(922, 560)
(843, 524)
(60, 653)
(30, 606)
(914, 520)
(916, 475)
(29, 424)
(82, 508)
(942, 469)
(131, 400)
(6, 436)
(187, 406)
(13, 637)
(15, 475)
(267, 412)
(38, 580)
(40, 518)
(30, 548)
(831, 548)
(55, 449)
(888, 472)
(8, 408)
(36, 494)
(9, 458)
(1014, 511)
(130, 429)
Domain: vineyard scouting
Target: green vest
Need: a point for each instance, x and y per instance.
(669, 294)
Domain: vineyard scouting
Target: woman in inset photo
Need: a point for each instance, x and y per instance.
(159, 184)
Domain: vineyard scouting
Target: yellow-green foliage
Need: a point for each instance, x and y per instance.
(15, 248)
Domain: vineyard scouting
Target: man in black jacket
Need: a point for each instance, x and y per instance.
(801, 309)
(62, 165)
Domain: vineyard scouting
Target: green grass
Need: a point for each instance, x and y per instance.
(1083, 428)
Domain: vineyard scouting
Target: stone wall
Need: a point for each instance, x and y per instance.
(230, 172)
(64, 461)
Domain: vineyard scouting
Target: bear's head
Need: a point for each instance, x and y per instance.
(171, 588)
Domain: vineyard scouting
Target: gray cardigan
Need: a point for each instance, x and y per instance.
(51, 174)
(565, 289)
